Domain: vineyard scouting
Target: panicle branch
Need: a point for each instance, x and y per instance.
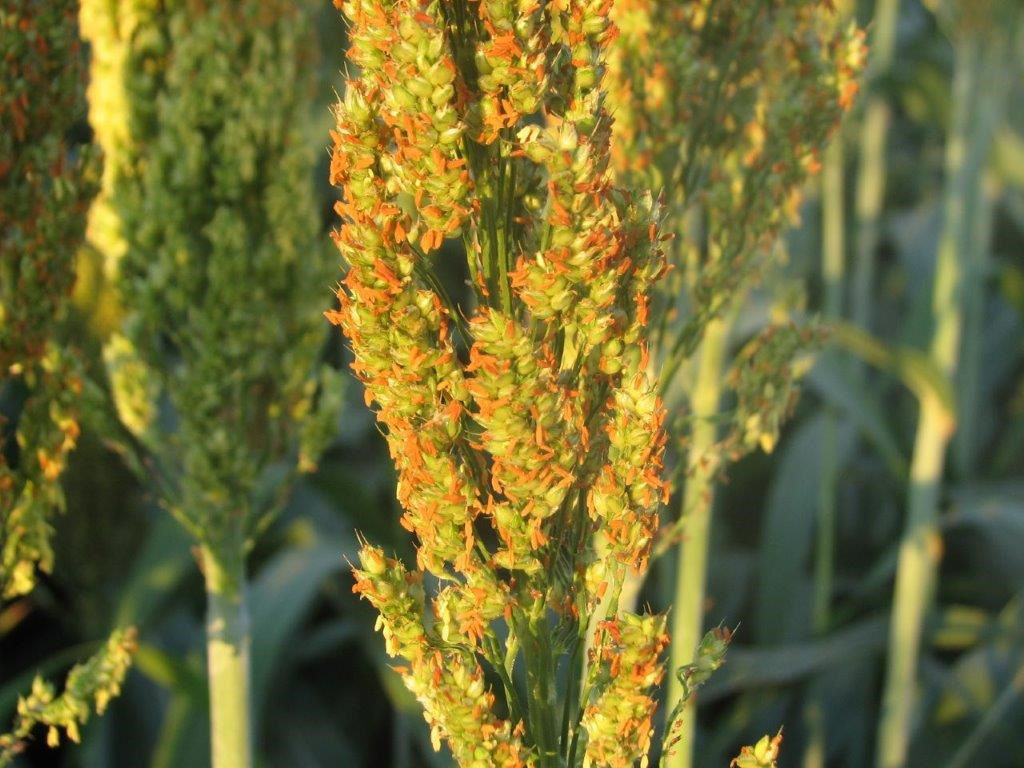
(89, 686)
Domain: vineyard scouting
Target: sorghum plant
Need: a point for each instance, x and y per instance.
(726, 107)
(528, 437)
(207, 223)
(44, 191)
(43, 196)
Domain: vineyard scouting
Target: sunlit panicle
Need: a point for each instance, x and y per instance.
(449, 683)
(619, 722)
(523, 422)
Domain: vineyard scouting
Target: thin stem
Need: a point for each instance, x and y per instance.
(571, 693)
(969, 386)
(832, 270)
(833, 257)
(227, 650)
(691, 571)
(833, 228)
(871, 178)
(492, 653)
(502, 234)
(540, 699)
(915, 576)
(976, 238)
(546, 664)
(977, 54)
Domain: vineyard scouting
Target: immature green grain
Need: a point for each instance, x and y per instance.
(207, 224)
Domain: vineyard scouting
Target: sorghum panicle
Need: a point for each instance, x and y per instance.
(206, 223)
(764, 381)
(529, 465)
(43, 195)
(727, 106)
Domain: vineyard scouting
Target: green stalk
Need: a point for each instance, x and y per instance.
(833, 247)
(965, 443)
(976, 238)
(833, 252)
(531, 632)
(871, 176)
(975, 102)
(698, 497)
(227, 653)
(915, 576)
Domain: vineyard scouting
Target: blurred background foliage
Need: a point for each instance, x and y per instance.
(324, 693)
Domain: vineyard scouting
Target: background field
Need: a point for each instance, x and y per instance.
(324, 693)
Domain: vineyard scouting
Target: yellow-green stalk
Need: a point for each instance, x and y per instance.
(695, 518)
(870, 191)
(833, 250)
(207, 225)
(833, 255)
(983, 36)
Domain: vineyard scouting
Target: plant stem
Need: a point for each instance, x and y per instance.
(691, 570)
(227, 648)
(915, 574)
(969, 393)
(871, 177)
(832, 271)
(976, 238)
(833, 256)
(977, 55)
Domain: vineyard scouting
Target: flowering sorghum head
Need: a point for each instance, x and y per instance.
(727, 105)
(206, 220)
(43, 195)
(527, 436)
